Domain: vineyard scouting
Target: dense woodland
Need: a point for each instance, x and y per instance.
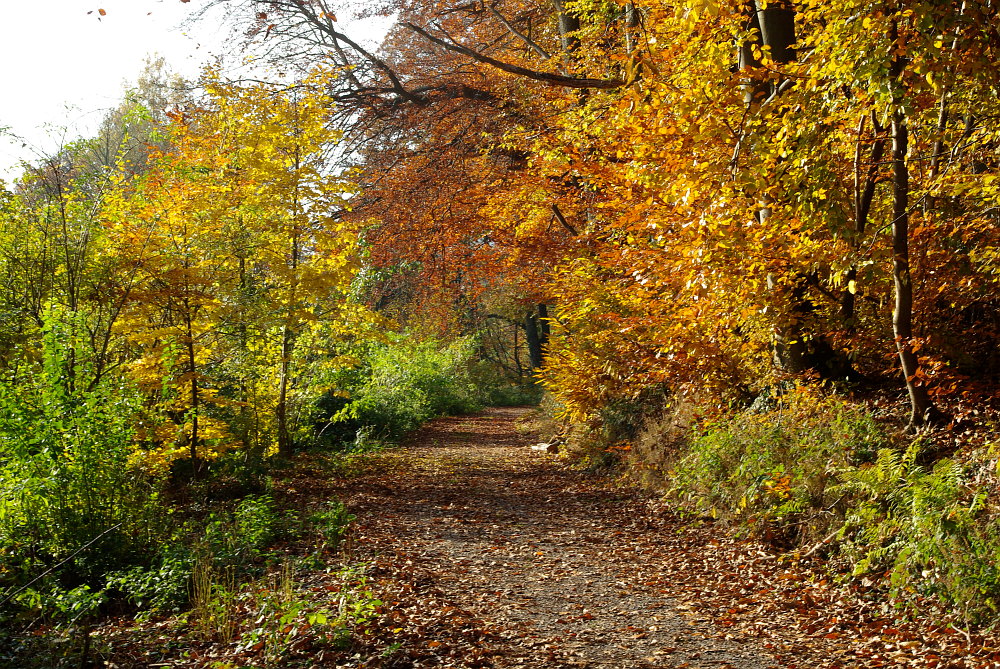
(748, 251)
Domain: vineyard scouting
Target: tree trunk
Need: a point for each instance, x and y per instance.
(776, 27)
(777, 30)
(534, 340)
(902, 315)
(544, 325)
(568, 26)
(281, 410)
(289, 328)
(862, 208)
(195, 391)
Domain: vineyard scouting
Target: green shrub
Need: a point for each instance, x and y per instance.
(69, 495)
(928, 527)
(495, 387)
(238, 539)
(399, 385)
(332, 523)
(812, 466)
(775, 470)
(164, 586)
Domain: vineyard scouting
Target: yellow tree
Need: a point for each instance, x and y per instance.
(237, 234)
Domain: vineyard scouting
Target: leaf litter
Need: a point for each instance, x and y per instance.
(486, 553)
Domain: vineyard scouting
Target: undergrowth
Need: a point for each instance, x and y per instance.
(223, 572)
(816, 475)
(398, 385)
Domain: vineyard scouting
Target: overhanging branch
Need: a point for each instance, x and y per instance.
(546, 77)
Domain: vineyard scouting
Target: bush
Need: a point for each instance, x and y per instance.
(929, 528)
(496, 388)
(811, 466)
(69, 495)
(400, 385)
(774, 470)
(163, 586)
(332, 524)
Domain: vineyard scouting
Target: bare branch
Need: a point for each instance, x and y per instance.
(517, 33)
(557, 212)
(546, 77)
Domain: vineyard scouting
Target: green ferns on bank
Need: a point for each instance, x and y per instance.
(929, 527)
(818, 475)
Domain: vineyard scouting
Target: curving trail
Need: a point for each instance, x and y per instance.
(491, 554)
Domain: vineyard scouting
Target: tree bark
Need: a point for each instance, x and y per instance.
(195, 391)
(534, 340)
(902, 280)
(902, 315)
(281, 410)
(777, 30)
(543, 319)
(569, 24)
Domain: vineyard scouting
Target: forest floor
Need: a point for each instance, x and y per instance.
(486, 553)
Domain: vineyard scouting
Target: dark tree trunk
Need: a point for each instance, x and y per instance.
(533, 336)
(281, 409)
(569, 24)
(545, 326)
(902, 280)
(902, 315)
(194, 389)
(777, 30)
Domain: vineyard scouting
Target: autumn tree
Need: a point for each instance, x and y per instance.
(237, 235)
(694, 189)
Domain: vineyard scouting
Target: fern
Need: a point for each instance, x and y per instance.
(925, 528)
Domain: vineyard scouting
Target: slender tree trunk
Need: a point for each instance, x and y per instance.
(862, 208)
(517, 351)
(902, 315)
(194, 390)
(776, 27)
(288, 331)
(631, 17)
(281, 411)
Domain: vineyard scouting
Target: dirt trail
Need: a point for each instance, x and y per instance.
(492, 554)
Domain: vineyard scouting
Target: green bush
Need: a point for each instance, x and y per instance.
(399, 385)
(164, 586)
(238, 539)
(929, 528)
(775, 470)
(496, 388)
(332, 523)
(69, 496)
(812, 467)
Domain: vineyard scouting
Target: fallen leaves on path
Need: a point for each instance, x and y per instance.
(556, 567)
(486, 553)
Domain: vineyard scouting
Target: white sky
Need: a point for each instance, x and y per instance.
(62, 68)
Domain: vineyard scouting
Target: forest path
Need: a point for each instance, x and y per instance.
(489, 553)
